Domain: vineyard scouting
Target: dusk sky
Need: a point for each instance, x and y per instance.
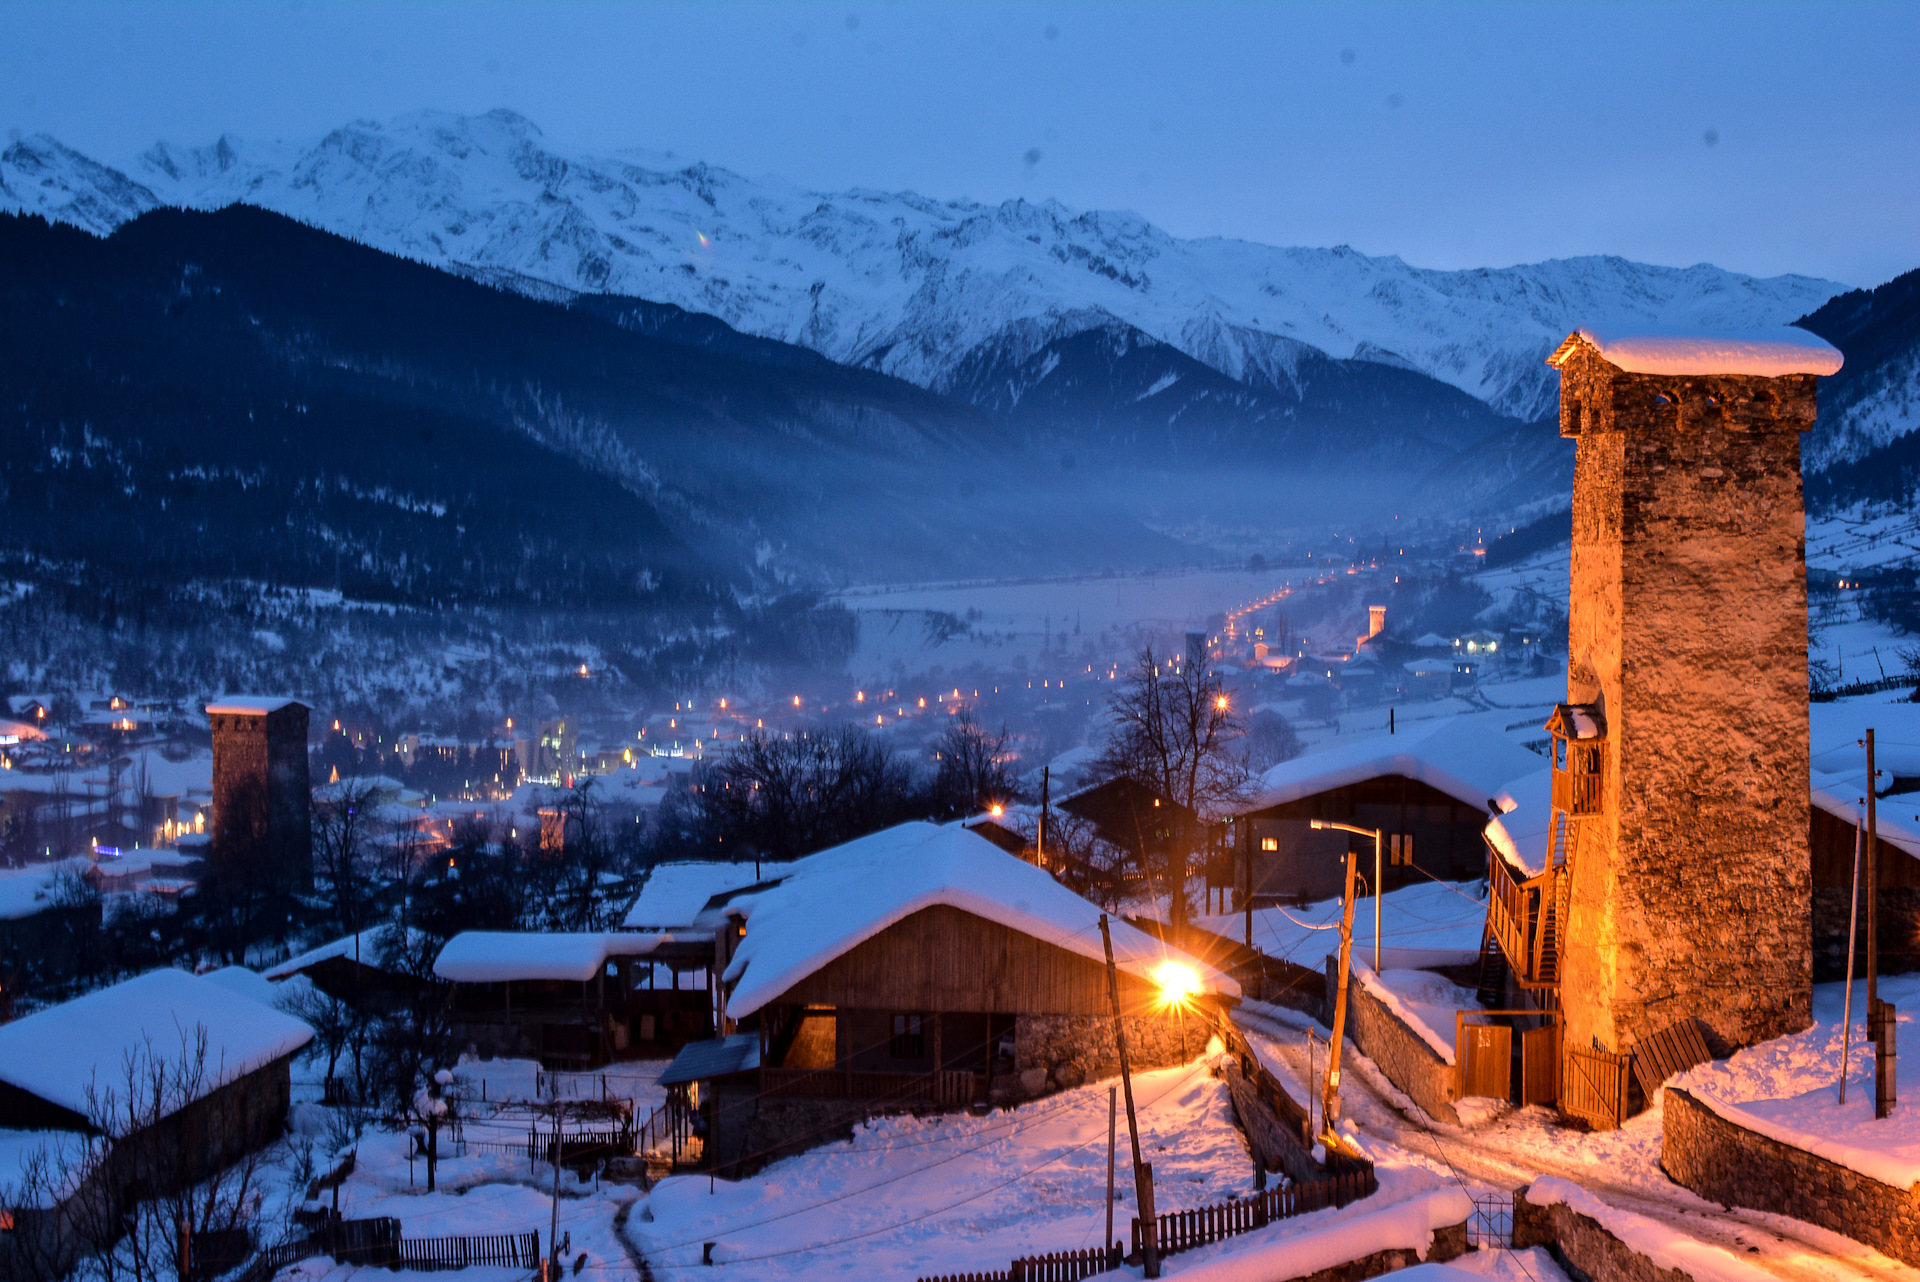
(1762, 137)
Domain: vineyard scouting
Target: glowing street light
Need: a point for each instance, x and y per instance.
(1374, 833)
(1179, 982)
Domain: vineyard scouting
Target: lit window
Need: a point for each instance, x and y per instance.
(1269, 843)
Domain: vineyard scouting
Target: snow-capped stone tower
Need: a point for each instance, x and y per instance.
(1691, 888)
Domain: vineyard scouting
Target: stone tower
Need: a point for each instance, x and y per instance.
(1687, 642)
(262, 794)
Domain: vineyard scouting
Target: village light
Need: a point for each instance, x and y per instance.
(998, 810)
(1179, 982)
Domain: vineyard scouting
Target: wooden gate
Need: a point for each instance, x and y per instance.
(1593, 1087)
(1483, 1058)
(1540, 1065)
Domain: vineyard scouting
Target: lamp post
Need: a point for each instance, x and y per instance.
(1374, 833)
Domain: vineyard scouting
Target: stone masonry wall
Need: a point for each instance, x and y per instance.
(1449, 1243)
(1737, 1167)
(1688, 626)
(1059, 1052)
(1399, 1052)
(1582, 1246)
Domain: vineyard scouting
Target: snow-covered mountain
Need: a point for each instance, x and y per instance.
(928, 290)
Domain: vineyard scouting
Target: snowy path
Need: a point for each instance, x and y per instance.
(1622, 1167)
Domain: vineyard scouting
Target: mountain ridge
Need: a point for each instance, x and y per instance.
(909, 285)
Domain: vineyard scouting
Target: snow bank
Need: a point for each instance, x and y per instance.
(1771, 352)
(498, 956)
(90, 1042)
(1787, 1089)
(1468, 762)
(1424, 1001)
(1407, 1225)
(840, 898)
(1666, 1247)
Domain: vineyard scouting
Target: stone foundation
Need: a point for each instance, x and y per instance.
(1399, 1052)
(1449, 1243)
(1059, 1052)
(1582, 1246)
(1732, 1165)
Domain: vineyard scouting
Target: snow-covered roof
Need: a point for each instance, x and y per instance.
(715, 1057)
(1468, 762)
(1773, 351)
(1523, 829)
(30, 890)
(840, 898)
(497, 956)
(675, 893)
(1896, 819)
(253, 704)
(42, 1168)
(367, 948)
(148, 1022)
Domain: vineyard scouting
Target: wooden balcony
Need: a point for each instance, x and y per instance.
(1577, 794)
(1524, 919)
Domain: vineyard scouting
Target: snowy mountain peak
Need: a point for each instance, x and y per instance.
(914, 286)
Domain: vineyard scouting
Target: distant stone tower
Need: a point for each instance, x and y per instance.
(1687, 643)
(262, 794)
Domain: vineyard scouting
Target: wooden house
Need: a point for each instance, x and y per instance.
(139, 1090)
(924, 967)
(1428, 789)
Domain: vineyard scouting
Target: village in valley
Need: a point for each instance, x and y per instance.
(1523, 950)
(959, 642)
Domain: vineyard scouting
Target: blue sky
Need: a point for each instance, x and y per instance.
(1764, 137)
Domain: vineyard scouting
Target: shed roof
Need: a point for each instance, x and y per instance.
(1468, 762)
(1772, 351)
(840, 898)
(146, 1022)
(716, 1057)
(499, 956)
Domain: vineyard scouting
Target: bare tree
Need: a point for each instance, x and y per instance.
(972, 772)
(344, 820)
(783, 797)
(1174, 730)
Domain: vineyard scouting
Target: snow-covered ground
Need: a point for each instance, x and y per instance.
(1788, 1088)
(1430, 924)
(908, 1196)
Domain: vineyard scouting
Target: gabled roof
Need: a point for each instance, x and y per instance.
(499, 956)
(1577, 721)
(59, 1053)
(1466, 761)
(1523, 829)
(840, 898)
(716, 1057)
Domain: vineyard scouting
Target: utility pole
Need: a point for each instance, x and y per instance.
(1142, 1173)
(1246, 841)
(1330, 1095)
(553, 1225)
(1113, 1105)
(1872, 880)
(1853, 924)
(1040, 842)
(1378, 835)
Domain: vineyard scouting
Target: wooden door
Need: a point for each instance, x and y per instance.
(1540, 1065)
(1485, 1052)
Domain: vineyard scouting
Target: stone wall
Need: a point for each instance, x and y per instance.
(1449, 1243)
(1732, 1165)
(1687, 627)
(1399, 1052)
(1059, 1052)
(1582, 1246)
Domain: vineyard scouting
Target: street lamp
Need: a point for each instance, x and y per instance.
(1374, 833)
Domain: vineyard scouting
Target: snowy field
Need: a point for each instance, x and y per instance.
(1432, 924)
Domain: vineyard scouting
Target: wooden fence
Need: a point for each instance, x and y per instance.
(378, 1243)
(1184, 1230)
(516, 1250)
(1594, 1087)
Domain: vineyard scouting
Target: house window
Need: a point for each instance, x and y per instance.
(1400, 849)
(1269, 843)
(909, 1038)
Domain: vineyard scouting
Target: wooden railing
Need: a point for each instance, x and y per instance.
(1526, 919)
(1576, 794)
(945, 1089)
(515, 1250)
